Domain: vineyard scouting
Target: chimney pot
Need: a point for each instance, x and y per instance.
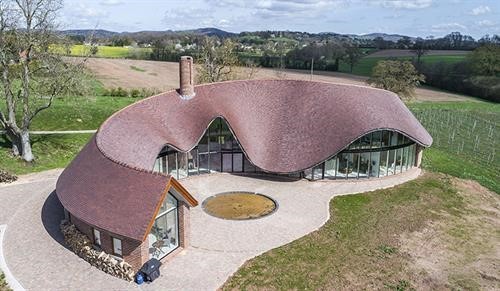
(186, 88)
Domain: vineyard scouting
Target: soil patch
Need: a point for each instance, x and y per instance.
(239, 205)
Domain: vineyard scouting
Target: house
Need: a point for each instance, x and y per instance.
(124, 189)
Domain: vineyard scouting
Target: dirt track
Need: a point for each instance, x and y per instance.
(165, 76)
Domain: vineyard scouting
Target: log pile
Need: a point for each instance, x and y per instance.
(5, 177)
(82, 246)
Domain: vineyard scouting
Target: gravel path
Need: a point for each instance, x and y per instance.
(35, 254)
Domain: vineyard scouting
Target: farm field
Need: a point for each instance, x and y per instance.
(365, 65)
(164, 76)
(108, 51)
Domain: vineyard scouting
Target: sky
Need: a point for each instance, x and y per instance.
(408, 17)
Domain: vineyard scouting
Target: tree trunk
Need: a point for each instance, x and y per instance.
(21, 144)
(26, 152)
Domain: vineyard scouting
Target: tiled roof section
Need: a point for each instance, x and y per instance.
(108, 195)
(282, 125)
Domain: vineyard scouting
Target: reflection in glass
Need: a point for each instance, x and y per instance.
(364, 164)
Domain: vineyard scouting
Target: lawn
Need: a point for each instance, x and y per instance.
(107, 51)
(370, 237)
(365, 65)
(51, 152)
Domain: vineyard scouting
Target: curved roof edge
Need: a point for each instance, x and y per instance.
(260, 113)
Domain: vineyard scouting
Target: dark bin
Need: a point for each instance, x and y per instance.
(151, 270)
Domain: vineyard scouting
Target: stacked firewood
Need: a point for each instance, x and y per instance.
(5, 177)
(82, 246)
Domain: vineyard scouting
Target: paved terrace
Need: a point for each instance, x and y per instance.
(36, 257)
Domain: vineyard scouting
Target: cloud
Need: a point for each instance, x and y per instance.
(194, 18)
(404, 4)
(447, 27)
(112, 2)
(485, 23)
(480, 10)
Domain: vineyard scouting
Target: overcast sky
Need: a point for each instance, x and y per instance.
(408, 17)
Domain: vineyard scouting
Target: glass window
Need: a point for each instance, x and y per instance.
(227, 162)
(377, 139)
(365, 141)
(182, 170)
(97, 237)
(374, 164)
(404, 162)
(192, 160)
(237, 162)
(386, 138)
(394, 139)
(353, 164)
(318, 172)
(164, 235)
(168, 204)
(354, 144)
(171, 163)
(392, 162)
(215, 161)
(117, 246)
(364, 165)
(308, 174)
(330, 167)
(203, 166)
(342, 168)
(383, 163)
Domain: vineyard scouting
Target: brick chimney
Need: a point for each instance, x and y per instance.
(186, 89)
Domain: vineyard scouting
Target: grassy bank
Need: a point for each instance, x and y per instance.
(109, 51)
(51, 152)
(368, 240)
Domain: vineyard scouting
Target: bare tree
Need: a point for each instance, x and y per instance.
(419, 49)
(352, 55)
(33, 73)
(218, 61)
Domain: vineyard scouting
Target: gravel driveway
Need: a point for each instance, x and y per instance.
(35, 255)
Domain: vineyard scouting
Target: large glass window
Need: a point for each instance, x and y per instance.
(164, 235)
(376, 154)
(364, 165)
(330, 168)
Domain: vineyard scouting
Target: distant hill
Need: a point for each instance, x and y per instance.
(101, 33)
(385, 36)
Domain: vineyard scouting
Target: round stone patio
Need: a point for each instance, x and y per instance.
(36, 257)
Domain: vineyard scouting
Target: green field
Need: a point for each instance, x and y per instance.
(108, 51)
(365, 65)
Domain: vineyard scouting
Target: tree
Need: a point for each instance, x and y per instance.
(32, 74)
(400, 77)
(485, 60)
(217, 61)
(352, 55)
(419, 49)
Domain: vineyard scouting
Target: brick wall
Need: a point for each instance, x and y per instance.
(134, 252)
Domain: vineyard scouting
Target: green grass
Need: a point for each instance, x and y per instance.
(358, 248)
(106, 51)
(51, 152)
(365, 65)
(466, 134)
(78, 113)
